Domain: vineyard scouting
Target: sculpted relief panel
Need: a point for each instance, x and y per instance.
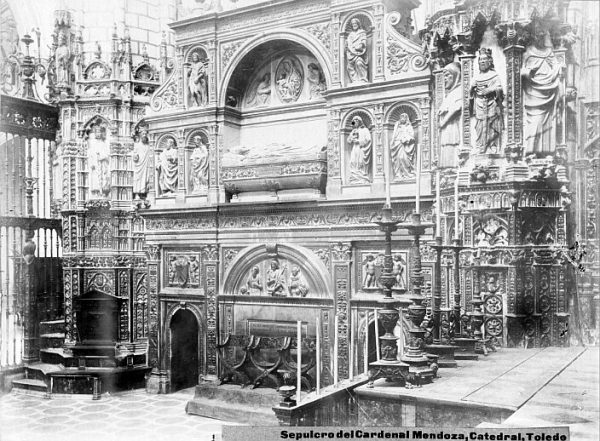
(371, 266)
(276, 277)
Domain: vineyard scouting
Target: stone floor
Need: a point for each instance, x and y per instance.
(128, 416)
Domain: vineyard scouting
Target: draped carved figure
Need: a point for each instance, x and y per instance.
(298, 286)
(289, 80)
(167, 168)
(541, 74)
(198, 82)
(276, 284)
(141, 160)
(316, 80)
(99, 163)
(199, 166)
(260, 94)
(63, 59)
(254, 283)
(449, 116)
(360, 155)
(356, 53)
(403, 149)
(486, 105)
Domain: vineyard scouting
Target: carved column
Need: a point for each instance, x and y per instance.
(425, 135)
(439, 92)
(152, 184)
(334, 153)
(157, 383)
(341, 261)
(185, 84)
(466, 67)
(181, 160)
(210, 260)
(213, 168)
(379, 39)
(378, 172)
(212, 73)
(337, 43)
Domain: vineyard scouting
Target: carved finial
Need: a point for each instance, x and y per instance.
(98, 52)
(145, 53)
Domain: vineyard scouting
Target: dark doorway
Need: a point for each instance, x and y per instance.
(184, 350)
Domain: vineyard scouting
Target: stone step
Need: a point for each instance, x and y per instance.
(53, 356)
(53, 340)
(28, 386)
(52, 326)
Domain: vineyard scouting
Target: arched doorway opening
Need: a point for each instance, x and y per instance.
(184, 350)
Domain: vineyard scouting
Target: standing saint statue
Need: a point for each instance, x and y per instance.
(167, 168)
(276, 279)
(356, 53)
(403, 149)
(449, 116)
(316, 81)
(99, 163)
(63, 59)
(141, 160)
(486, 104)
(199, 166)
(541, 74)
(360, 155)
(198, 82)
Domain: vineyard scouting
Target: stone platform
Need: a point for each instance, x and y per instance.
(232, 403)
(491, 390)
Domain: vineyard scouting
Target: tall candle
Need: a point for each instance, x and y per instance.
(377, 334)
(388, 179)
(438, 203)
(456, 208)
(351, 357)
(335, 350)
(299, 362)
(318, 336)
(366, 350)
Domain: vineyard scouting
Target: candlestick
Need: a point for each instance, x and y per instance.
(418, 178)
(438, 203)
(351, 354)
(456, 208)
(335, 350)
(388, 184)
(377, 334)
(318, 335)
(366, 349)
(299, 361)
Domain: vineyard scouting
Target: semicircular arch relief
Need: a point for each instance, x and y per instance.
(277, 271)
(297, 37)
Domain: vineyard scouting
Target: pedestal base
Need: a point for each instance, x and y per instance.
(445, 354)
(157, 383)
(396, 371)
(466, 349)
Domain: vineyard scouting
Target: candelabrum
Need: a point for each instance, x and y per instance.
(388, 366)
(422, 365)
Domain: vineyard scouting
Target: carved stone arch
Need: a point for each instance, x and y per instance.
(394, 112)
(202, 132)
(366, 20)
(161, 142)
(95, 120)
(145, 72)
(200, 49)
(366, 116)
(173, 309)
(315, 272)
(97, 70)
(308, 41)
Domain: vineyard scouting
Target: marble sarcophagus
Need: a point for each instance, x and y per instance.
(274, 172)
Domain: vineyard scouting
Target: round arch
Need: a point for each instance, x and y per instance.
(302, 38)
(316, 271)
(397, 108)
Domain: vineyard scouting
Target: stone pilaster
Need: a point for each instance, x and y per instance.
(212, 73)
(157, 383)
(213, 168)
(341, 262)
(438, 96)
(210, 261)
(334, 153)
(378, 171)
(337, 50)
(379, 43)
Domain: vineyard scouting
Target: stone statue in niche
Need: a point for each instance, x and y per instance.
(141, 160)
(63, 59)
(179, 271)
(167, 168)
(356, 53)
(276, 284)
(399, 271)
(360, 155)
(199, 166)
(403, 149)
(486, 104)
(260, 95)
(541, 74)
(298, 286)
(449, 116)
(316, 80)
(198, 82)
(254, 284)
(98, 163)
(369, 270)
(289, 80)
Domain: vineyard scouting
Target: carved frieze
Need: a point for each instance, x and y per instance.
(228, 50)
(322, 32)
